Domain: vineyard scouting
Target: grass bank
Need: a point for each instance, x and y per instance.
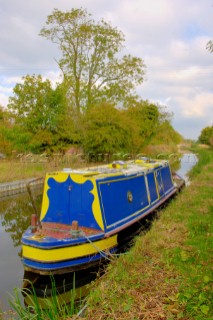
(30, 165)
(168, 273)
(14, 170)
(11, 170)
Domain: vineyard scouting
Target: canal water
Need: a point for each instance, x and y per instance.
(187, 161)
(15, 214)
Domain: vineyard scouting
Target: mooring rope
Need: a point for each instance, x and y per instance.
(80, 312)
(103, 253)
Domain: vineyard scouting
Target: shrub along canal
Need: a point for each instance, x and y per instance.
(15, 215)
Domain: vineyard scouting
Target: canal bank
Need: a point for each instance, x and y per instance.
(168, 272)
(20, 186)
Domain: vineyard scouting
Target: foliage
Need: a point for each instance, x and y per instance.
(144, 119)
(19, 138)
(206, 136)
(5, 145)
(150, 125)
(89, 64)
(35, 105)
(165, 134)
(42, 120)
(105, 130)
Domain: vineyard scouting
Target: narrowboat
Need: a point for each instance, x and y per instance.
(85, 211)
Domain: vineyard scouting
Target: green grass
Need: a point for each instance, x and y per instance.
(11, 170)
(167, 274)
(14, 170)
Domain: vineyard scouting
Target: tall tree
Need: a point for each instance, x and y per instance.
(89, 61)
(35, 104)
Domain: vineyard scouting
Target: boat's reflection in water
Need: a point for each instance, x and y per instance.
(68, 287)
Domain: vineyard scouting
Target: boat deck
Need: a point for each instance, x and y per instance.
(64, 231)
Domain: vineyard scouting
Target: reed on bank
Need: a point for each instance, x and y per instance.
(52, 307)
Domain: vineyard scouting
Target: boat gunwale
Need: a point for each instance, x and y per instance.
(60, 243)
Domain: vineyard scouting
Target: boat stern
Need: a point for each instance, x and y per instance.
(57, 248)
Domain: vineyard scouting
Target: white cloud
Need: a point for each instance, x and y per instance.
(5, 90)
(201, 105)
(12, 80)
(3, 100)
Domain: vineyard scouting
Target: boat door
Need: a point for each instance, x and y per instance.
(64, 201)
(69, 200)
(159, 183)
(81, 201)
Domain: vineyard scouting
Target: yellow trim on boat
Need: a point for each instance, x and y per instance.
(57, 176)
(147, 164)
(156, 185)
(67, 253)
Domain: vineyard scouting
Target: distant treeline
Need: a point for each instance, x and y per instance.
(40, 118)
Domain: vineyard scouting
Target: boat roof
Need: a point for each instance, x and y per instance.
(119, 167)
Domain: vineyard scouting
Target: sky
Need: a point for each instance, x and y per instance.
(169, 35)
